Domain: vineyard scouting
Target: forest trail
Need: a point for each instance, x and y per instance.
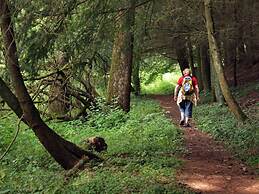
(208, 166)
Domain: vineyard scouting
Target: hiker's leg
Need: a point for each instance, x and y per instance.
(182, 112)
(188, 111)
(186, 120)
(182, 116)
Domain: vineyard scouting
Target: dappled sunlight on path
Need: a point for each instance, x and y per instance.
(208, 166)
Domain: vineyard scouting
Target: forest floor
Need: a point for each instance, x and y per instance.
(208, 166)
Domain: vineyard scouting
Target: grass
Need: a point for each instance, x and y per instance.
(141, 155)
(164, 84)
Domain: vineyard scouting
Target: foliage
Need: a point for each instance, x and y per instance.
(154, 66)
(158, 75)
(246, 89)
(164, 84)
(141, 155)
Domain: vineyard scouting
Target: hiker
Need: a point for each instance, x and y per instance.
(186, 94)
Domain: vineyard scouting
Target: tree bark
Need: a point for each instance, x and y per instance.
(64, 152)
(182, 55)
(136, 77)
(218, 96)
(191, 59)
(10, 99)
(59, 100)
(199, 68)
(119, 85)
(249, 10)
(205, 67)
(230, 59)
(232, 104)
(212, 84)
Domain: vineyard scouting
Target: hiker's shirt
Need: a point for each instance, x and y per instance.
(192, 97)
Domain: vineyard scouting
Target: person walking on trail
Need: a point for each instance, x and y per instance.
(186, 94)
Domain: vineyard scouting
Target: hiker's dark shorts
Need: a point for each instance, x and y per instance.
(186, 107)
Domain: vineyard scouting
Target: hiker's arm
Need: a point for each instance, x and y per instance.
(176, 90)
(197, 91)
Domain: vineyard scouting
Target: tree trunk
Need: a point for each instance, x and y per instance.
(212, 83)
(64, 152)
(182, 56)
(218, 96)
(249, 38)
(136, 78)
(59, 101)
(11, 100)
(199, 69)
(119, 85)
(205, 67)
(191, 60)
(235, 63)
(240, 22)
(232, 104)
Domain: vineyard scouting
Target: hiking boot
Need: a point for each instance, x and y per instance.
(181, 123)
(187, 125)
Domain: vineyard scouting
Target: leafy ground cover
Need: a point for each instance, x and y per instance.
(141, 155)
(242, 139)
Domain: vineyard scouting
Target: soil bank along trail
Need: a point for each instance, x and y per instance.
(208, 166)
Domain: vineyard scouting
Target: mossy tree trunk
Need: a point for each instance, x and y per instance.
(64, 152)
(232, 104)
(59, 101)
(119, 85)
(217, 93)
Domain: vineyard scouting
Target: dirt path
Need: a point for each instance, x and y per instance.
(208, 167)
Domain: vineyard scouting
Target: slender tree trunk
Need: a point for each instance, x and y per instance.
(191, 59)
(205, 67)
(249, 10)
(212, 83)
(136, 77)
(64, 152)
(119, 85)
(240, 23)
(232, 104)
(199, 68)
(230, 60)
(235, 66)
(239, 40)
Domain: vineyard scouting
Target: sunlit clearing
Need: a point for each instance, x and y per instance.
(168, 76)
(162, 85)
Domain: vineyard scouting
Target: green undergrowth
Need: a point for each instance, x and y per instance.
(163, 84)
(245, 90)
(242, 139)
(141, 158)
